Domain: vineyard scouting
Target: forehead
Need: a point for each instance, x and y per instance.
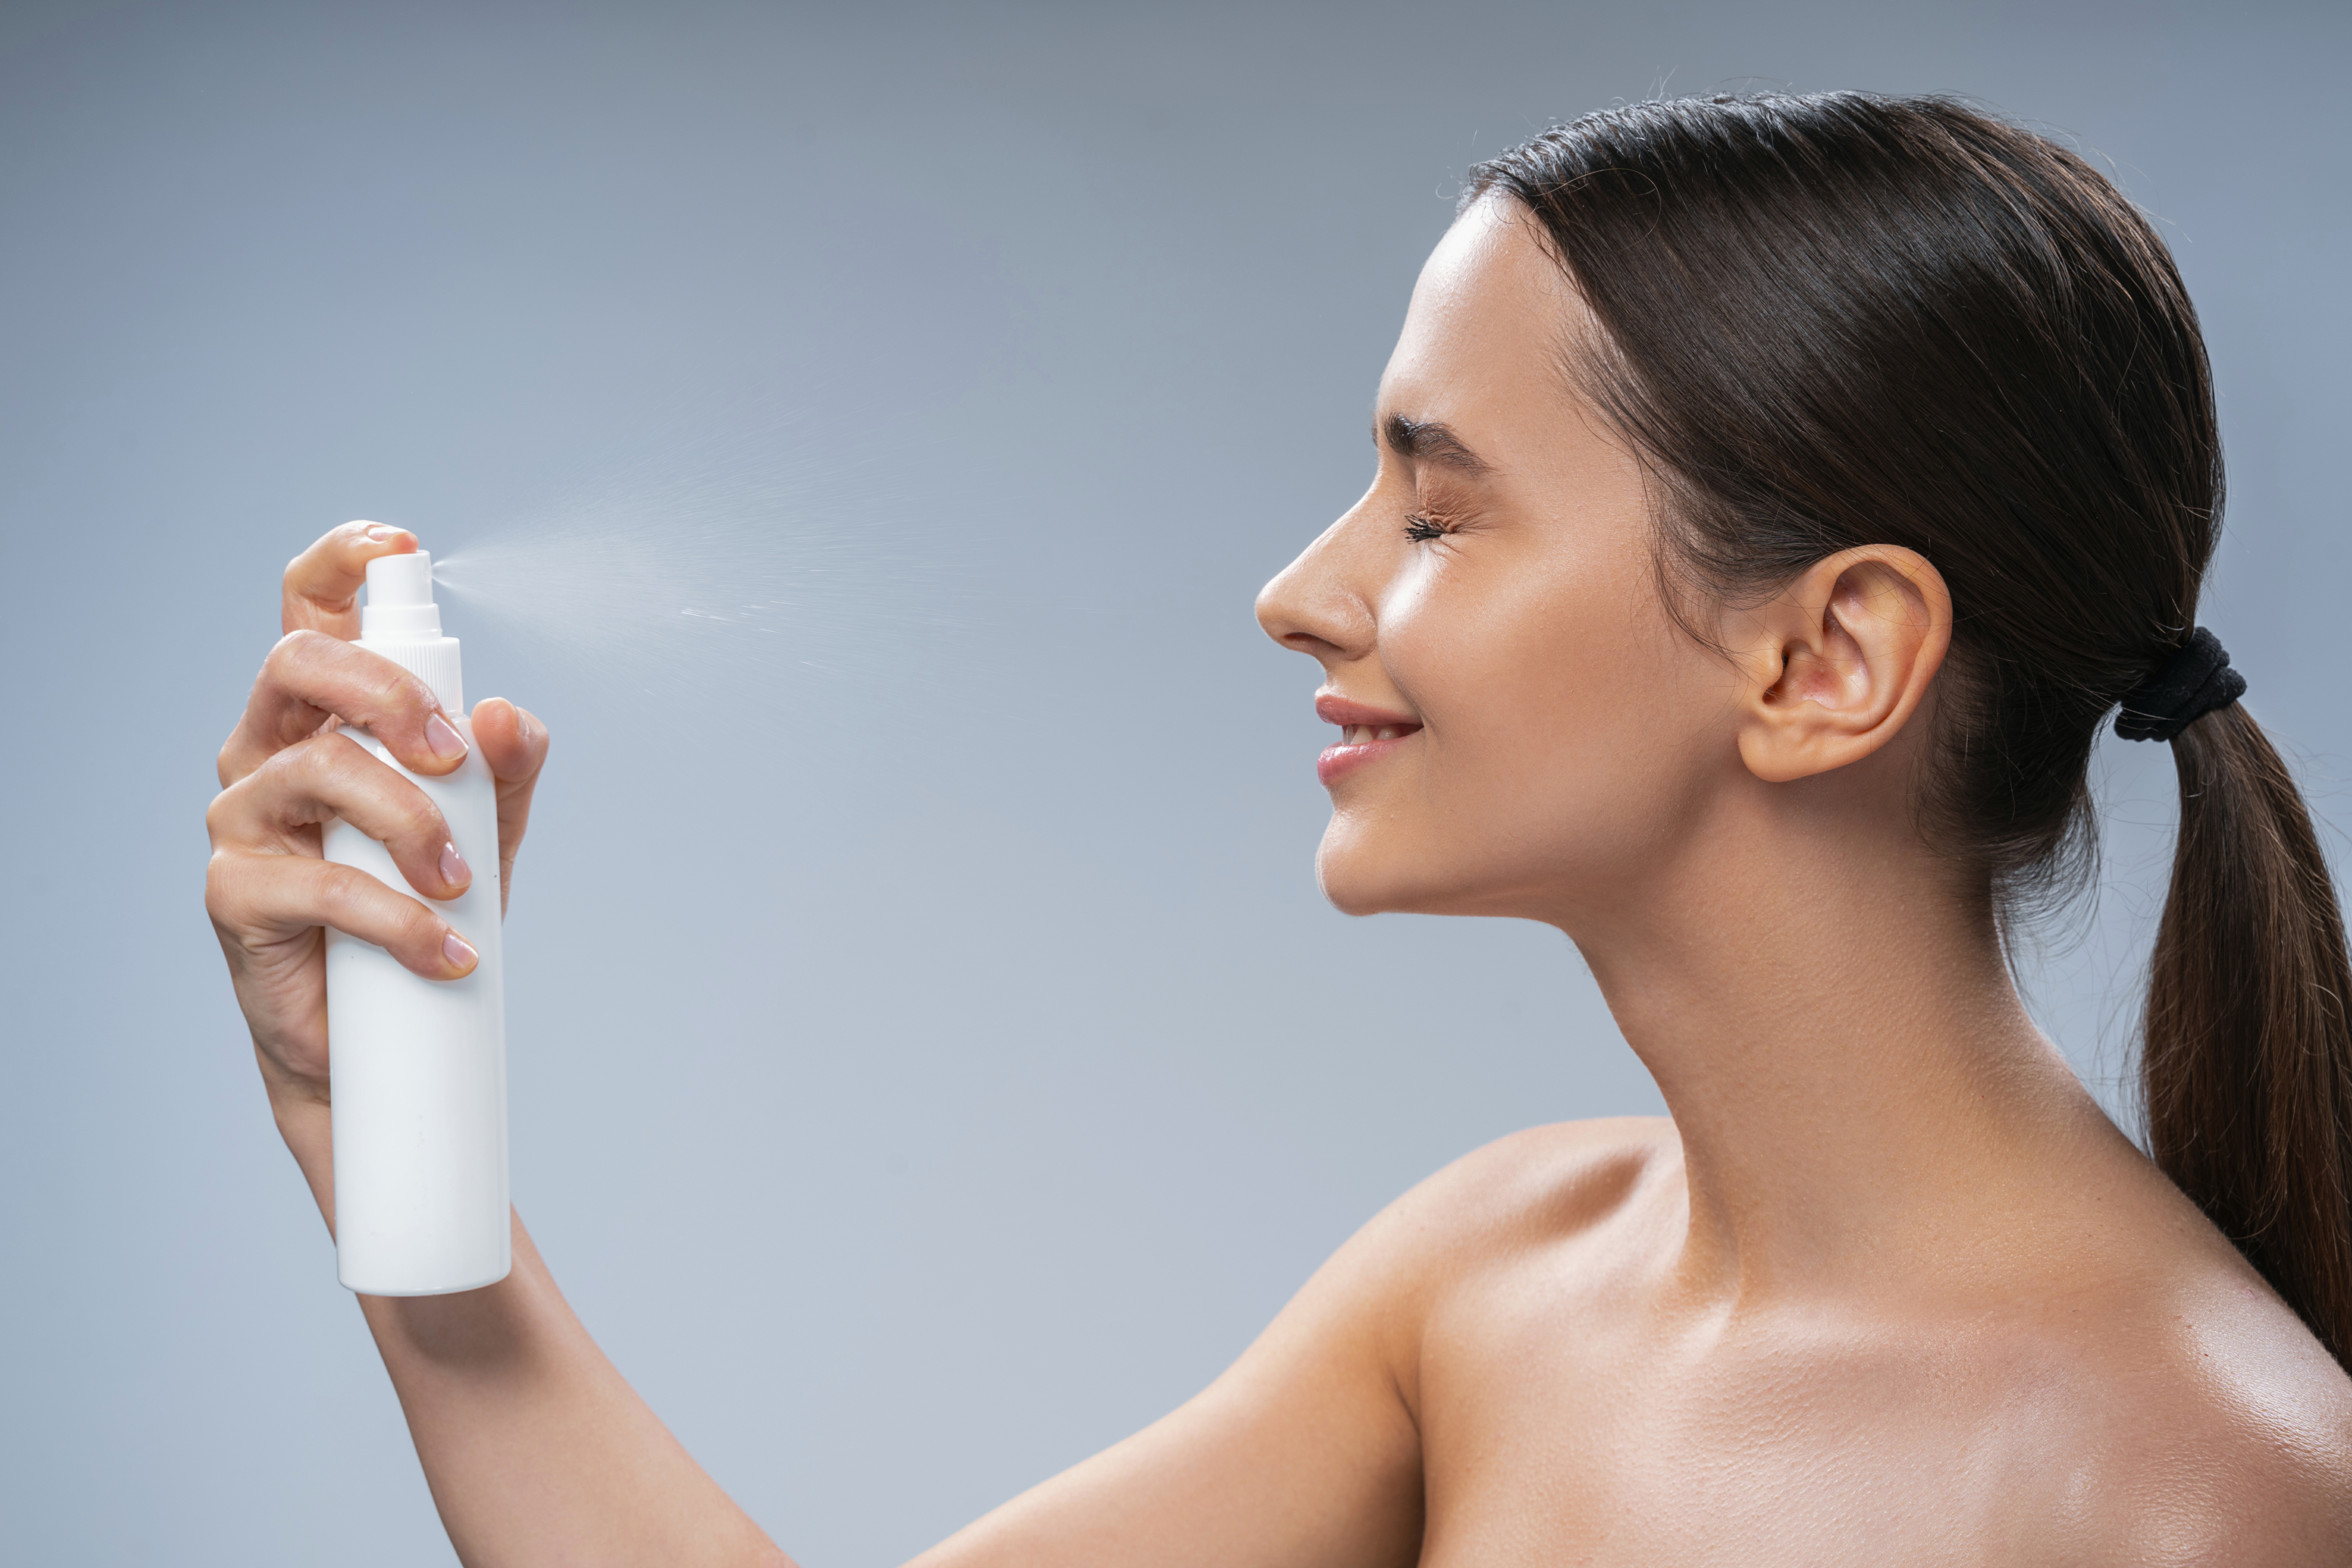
(1491, 318)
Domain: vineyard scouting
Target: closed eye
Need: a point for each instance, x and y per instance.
(1421, 526)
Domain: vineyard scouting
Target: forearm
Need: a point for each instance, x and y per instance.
(535, 1447)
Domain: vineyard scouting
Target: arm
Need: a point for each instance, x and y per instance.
(536, 1449)
(1303, 1454)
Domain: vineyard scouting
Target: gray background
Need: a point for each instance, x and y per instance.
(930, 1058)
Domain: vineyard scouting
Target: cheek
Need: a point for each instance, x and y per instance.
(1568, 724)
(1537, 699)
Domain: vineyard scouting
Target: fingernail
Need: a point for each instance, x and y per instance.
(453, 864)
(445, 740)
(380, 531)
(458, 950)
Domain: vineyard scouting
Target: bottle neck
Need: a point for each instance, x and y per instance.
(432, 659)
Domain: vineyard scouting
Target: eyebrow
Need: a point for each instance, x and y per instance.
(1430, 441)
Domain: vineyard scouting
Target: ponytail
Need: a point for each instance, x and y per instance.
(2247, 1066)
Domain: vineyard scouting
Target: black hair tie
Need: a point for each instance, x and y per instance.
(2190, 684)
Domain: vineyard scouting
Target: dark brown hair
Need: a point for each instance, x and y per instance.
(1840, 319)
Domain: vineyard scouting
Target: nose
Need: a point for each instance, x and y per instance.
(1315, 606)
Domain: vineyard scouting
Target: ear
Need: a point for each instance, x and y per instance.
(1839, 661)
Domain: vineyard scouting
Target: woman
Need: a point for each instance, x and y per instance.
(1774, 498)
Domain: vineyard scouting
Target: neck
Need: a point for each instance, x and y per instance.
(1856, 1083)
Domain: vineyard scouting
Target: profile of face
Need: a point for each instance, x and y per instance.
(1525, 726)
(1528, 728)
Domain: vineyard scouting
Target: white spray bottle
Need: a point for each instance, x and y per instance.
(417, 1067)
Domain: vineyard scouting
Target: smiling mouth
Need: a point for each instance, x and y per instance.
(1366, 733)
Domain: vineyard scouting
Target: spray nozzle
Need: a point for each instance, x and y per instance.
(400, 605)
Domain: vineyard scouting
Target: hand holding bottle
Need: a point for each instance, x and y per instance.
(284, 772)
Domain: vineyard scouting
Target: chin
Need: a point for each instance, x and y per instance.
(1351, 896)
(1359, 879)
(1351, 873)
(1366, 872)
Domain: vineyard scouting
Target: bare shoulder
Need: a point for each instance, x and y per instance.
(2234, 1429)
(1545, 1182)
(1519, 1194)
(2188, 1416)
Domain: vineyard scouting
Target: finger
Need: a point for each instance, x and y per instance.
(261, 900)
(514, 743)
(310, 677)
(322, 583)
(328, 776)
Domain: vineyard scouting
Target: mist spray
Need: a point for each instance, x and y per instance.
(417, 1067)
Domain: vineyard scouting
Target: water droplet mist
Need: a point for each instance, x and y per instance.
(743, 568)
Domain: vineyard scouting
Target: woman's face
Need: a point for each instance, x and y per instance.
(1527, 731)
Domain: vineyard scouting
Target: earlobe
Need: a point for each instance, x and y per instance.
(1838, 662)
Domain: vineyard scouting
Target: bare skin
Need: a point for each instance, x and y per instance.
(1888, 1287)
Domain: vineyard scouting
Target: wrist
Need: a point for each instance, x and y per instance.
(289, 1091)
(306, 1124)
(292, 1096)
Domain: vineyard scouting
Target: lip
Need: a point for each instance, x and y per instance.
(1338, 761)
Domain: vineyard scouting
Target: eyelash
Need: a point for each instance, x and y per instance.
(1421, 526)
